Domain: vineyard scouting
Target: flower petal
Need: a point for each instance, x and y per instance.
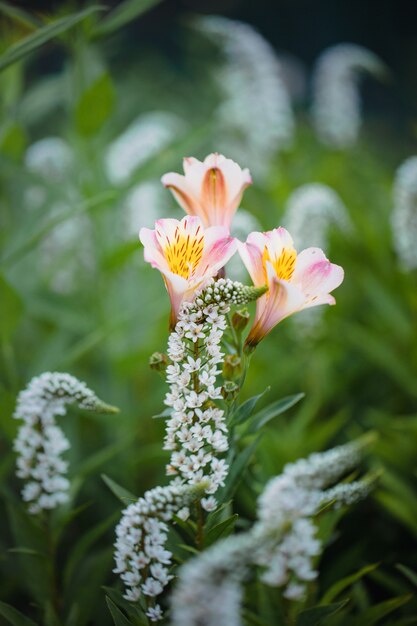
(282, 299)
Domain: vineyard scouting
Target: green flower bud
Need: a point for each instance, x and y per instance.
(158, 362)
(232, 366)
(240, 319)
(230, 390)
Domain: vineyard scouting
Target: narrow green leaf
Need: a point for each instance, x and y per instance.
(85, 543)
(408, 573)
(237, 470)
(123, 14)
(95, 106)
(19, 15)
(15, 617)
(261, 418)
(317, 614)
(222, 529)
(375, 613)
(125, 496)
(346, 582)
(245, 409)
(44, 34)
(119, 618)
(11, 309)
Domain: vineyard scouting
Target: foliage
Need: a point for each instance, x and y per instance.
(76, 296)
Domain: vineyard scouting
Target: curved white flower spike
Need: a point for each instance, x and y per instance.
(187, 255)
(295, 282)
(211, 189)
(40, 442)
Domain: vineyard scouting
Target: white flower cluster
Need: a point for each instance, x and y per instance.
(404, 215)
(50, 158)
(196, 431)
(40, 442)
(143, 206)
(336, 99)
(141, 557)
(256, 119)
(309, 212)
(209, 590)
(143, 139)
(282, 542)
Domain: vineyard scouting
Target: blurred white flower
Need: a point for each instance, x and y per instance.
(67, 251)
(255, 119)
(336, 99)
(282, 542)
(144, 138)
(404, 215)
(144, 204)
(50, 158)
(243, 224)
(310, 210)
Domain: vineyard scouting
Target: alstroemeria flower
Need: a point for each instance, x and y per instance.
(295, 281)
(187, 254)
(211, 189)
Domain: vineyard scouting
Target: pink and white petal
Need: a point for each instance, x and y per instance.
(182, 192)
(252, 260)
(305, 258)
(278, 239)
(320, 278)
(235, 182)
(259, 240)
(152, 250)
(213, 234)
(318, 300)
(188, 162)
(177, 287)
(282, 300)
(216, 256)
(214, 194)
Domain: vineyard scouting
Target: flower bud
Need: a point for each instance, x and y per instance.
(240, 319)
(232, 366)
(230, 390)
(158, 362)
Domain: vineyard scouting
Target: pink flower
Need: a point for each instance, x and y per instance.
(295, 282)
(211, 189)
(187, 255)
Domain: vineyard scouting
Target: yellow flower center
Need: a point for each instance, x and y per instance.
(183, 253)
(284, 265)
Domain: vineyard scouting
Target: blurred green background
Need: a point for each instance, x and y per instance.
(76, 295)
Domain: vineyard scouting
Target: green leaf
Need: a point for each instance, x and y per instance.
(19, 15)
(28, 534)
(119, 618)
(261, 418)
(408, 573)
(125, 496)
(245, 409)
(11, 309)
(316, 615)
(123, 14)
(13, 141)
(44, 34)
(85, 543)
(346, 582)
(95, 106)
(375, 613)
(222, 529)
(14, 616)
(237, 470)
